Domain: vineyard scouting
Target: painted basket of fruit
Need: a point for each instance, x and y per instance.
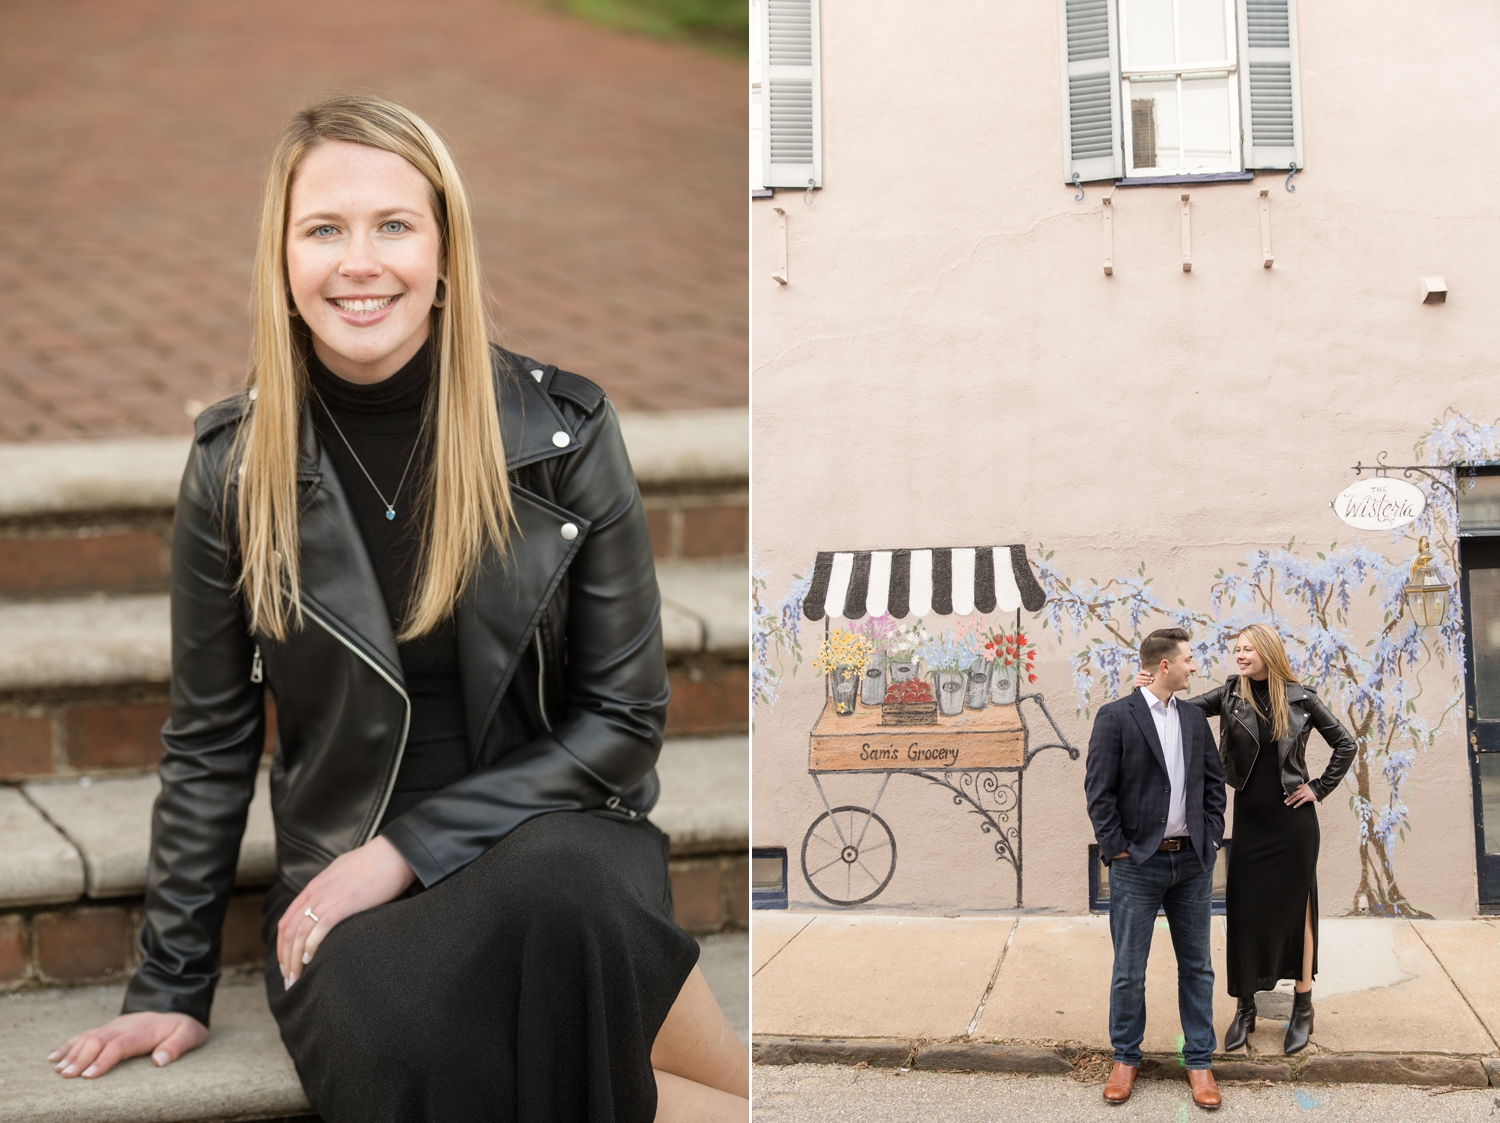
(909, 703)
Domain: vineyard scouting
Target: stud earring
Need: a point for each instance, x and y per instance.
(440, 297)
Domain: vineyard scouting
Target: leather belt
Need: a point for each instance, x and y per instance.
(1175, 844)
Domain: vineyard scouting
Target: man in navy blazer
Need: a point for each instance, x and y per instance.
(1155, 790)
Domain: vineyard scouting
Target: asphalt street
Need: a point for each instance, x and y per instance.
(821, 1093)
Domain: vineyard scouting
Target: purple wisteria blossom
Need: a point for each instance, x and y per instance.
(1367, 660)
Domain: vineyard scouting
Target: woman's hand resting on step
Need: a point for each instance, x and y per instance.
(94, 1052)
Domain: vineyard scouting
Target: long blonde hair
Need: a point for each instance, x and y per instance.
(467, 506)
(1272, 651)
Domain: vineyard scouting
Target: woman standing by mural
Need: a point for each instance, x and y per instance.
(434, 555)
(1265, 718)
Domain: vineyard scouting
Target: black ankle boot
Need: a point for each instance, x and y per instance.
(1299, 1028)
(1242, 1027)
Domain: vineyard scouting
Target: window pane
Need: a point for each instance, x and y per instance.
(768, 873)
(1205, 124)
(1489, 800)
(1201, 31)
(1148, 34)
(1478, 503)
(1153, 126)
(1221, 867)
(1484, 614)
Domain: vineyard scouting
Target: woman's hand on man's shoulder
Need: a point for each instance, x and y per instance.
(94, 1052)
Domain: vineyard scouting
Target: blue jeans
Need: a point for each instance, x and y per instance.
(1177, 882)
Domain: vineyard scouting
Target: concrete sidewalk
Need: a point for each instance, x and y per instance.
(1397, 1001)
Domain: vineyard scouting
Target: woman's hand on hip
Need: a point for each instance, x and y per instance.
(95, 1051)
(353, 882)
(1300, 795)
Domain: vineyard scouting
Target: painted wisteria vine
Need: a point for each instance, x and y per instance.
(1371, 673)
(775, 635)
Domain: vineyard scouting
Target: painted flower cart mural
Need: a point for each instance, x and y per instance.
(946, 706)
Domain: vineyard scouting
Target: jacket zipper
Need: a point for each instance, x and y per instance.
(1256, 735)
(541, 664)
(256, 672)
(385, 799)
(613, 802)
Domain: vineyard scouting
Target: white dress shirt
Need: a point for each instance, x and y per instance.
(1169, 732)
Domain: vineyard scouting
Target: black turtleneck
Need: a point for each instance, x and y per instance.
(1260, 689)
(383, 422)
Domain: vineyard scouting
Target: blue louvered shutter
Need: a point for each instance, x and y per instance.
(792, 135)
(1270, 97)
(1090, 90)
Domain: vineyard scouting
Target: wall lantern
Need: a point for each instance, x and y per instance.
(1426, 594)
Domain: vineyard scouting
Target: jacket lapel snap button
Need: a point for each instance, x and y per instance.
(569, 532)
(561, 439)
(536, 374)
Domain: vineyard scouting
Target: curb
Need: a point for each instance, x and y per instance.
(1377, 1068)
(1430, 1069)
(876, 1052)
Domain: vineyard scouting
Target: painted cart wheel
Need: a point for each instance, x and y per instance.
(848, 855)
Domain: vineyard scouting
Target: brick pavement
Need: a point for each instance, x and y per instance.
(606, 169)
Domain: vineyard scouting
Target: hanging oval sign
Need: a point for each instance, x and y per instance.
(1379, 504)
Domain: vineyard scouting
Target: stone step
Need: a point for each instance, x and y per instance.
(84, 844)
(96, 516)
(70, 839)
(126, 640)
(83, 679)
(243, 1072)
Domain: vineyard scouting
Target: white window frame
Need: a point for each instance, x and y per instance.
(1228, 68)
(757, 99)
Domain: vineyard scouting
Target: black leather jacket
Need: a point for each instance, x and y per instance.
(1239, 736)
(560, 656)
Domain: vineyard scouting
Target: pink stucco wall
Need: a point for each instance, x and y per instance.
(950, 366)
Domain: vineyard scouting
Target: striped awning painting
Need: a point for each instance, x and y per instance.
(969, 579)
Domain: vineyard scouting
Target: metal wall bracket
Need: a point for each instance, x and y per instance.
(780, 276)
(1265, 228)
(1412, 471)
(1187, 233)
(1109, 236)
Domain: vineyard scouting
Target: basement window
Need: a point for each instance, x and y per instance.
(1099, 881)
(768, 877)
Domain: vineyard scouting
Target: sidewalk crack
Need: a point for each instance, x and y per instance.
(782, 948)
(1451, 979)
(994, 977)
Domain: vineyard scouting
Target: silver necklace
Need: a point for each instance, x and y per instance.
(390, 507)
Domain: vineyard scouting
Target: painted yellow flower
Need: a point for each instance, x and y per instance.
(844, 653)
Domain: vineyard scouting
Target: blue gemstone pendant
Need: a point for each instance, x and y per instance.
(390, 512)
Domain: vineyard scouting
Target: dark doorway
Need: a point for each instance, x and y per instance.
(1480, 565)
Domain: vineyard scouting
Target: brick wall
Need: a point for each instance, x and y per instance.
(95, 942)
(129, 554)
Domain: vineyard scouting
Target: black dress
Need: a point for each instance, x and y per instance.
(530, 985)
(1273, 873)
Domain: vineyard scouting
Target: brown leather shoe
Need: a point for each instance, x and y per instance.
(1121, 1081)
(1205, 1088)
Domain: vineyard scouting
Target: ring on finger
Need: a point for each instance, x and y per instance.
(309, 912)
